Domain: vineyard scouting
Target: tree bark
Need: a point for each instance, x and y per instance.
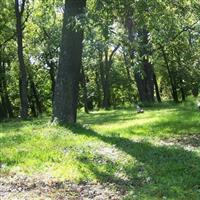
(23, 83)
(68, 75)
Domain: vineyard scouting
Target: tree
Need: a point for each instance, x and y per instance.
(23, 82)
(66, 88)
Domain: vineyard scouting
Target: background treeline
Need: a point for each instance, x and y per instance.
(133, 51)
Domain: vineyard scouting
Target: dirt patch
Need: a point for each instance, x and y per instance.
(21, 187)
(189, 142)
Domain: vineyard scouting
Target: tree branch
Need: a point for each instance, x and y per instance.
(113, 52)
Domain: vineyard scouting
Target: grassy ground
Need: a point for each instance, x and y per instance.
(154, 155)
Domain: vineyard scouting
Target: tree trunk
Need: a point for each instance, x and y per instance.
(144, 76)
(106, 81)
(105, 67)
(144, 82)
(182, 90)
(171, 78)
(195, 90)
(85, 93)
(34, 112)
(156, 88)
(23, 84)
(130, 81)
(7, 107)
(52, 67)
(36, 96)
(2, 112)
(98, 87)
(183, 96)
(68, 75)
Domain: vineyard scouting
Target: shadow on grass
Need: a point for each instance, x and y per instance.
(173, 173)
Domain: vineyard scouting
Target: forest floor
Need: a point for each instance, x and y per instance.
(116, 154)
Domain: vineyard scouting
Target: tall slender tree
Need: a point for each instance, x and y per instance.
(68, 75)
(23, 82)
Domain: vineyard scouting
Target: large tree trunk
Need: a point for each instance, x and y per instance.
(68, 75)
(145, 83)
(23, 83)
(143, 76)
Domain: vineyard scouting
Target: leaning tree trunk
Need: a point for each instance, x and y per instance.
(156, 88)
(67, 80)
(23, 83)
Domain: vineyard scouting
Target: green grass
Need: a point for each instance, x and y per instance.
(116, 146)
